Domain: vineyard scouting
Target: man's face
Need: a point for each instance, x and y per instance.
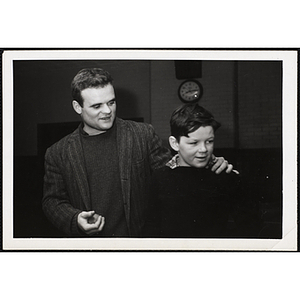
(196, 149)
(99, 109)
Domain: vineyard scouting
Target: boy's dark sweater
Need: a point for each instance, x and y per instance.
(189, 202)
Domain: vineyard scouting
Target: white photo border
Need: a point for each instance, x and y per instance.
(289, 57)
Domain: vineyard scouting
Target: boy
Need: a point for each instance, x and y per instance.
(188, 200)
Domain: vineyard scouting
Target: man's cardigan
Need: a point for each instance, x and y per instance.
(66, 187)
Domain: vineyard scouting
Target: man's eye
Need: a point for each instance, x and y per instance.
(111, 103)
(210, 142)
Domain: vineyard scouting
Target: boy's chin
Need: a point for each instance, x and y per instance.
(200, 165)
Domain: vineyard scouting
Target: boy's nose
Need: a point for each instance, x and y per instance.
(202, 148)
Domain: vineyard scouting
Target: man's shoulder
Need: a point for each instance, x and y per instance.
(139, 128)
(132, 124)
(61, 144)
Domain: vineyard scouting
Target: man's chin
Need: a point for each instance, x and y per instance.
(105, 128)
(106, 125)
(94, 130)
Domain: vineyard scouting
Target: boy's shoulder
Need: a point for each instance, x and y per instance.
(232, 178)
(162, 173)
(162, 170)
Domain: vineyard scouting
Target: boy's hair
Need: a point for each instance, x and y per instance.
(89, 78)
(188, 118)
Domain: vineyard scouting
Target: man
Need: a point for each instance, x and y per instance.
(97, 178)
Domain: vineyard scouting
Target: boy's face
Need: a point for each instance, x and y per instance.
(196, 149)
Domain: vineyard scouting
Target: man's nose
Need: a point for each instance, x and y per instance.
(106, 109)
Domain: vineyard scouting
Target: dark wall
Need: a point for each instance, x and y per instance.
(260, 104)
(42, 94)
(244, 96)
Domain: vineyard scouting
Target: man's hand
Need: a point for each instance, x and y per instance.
(90, 222)
(219, 164)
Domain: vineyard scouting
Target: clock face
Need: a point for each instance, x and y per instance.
(190, 91)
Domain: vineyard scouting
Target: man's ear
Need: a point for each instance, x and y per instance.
(77, 107)
(173, 143)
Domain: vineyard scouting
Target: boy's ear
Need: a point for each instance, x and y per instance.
(77, 107)
(173, 143)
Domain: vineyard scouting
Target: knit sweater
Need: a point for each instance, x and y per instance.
(102, 165)
(190, 202)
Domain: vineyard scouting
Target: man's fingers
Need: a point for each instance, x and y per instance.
(222, 167)
(220, 163)
(97, 223)
(229, 168)
(96, 227)
(91, 229)
(87, 214)
(93, 219)
(102, 224)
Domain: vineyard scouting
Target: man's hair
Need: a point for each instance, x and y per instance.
(89, 78)
(188, 118)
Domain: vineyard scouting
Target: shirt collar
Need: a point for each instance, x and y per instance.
(174, 162)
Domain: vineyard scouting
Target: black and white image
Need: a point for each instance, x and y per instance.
(55, 205)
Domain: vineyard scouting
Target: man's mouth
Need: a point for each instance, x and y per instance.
(105, 118)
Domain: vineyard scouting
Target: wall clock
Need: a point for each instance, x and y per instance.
(190, 91)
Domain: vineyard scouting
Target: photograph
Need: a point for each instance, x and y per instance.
(193, 150)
